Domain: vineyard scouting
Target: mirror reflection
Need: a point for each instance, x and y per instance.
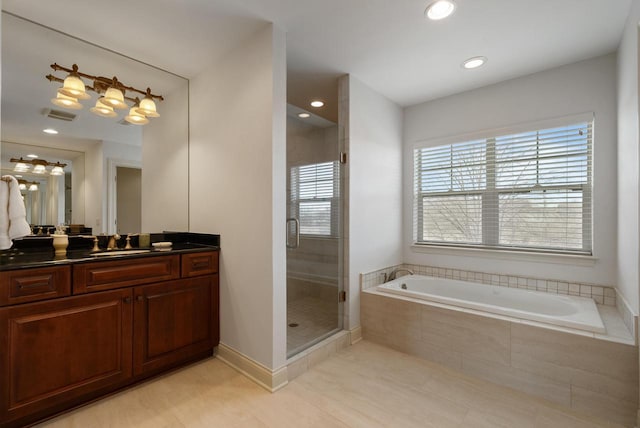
(105, 171)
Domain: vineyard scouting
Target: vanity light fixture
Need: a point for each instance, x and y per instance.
(317, 103)
(304, 115)
(440, 9)
(135, 117)
(39, 166)
(147, 106)
(33, 185)
(102, 109)
(21, 166)
(57, 169)
(475, 62)
(113, 95)
(61, 100)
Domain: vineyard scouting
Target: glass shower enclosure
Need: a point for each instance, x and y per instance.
(314, 230)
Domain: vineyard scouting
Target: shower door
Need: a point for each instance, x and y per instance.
(314, 231)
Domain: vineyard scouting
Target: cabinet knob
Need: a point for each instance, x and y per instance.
(140, 298)
(127, 299)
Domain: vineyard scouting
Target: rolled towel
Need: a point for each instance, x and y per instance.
(5, 241)
(18, 226)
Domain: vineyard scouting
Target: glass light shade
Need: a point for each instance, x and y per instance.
(61, 100)
(73, 86)
(33, 188)
(136, 118)
(39, 169)
(57, 170)
(148, 108)
(21, 167)
(22, 186)
(114, 98)
(103, 110)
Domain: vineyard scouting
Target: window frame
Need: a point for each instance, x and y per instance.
(490, 239)
(334, 201)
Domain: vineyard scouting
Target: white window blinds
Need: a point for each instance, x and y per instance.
(529, 190)
(315, 191)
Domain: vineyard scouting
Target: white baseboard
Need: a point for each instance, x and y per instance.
(271, 380)
(356, 335)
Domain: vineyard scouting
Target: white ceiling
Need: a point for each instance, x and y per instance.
(388, 44)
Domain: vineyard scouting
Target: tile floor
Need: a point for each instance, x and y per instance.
(314, 317)
(365, 386)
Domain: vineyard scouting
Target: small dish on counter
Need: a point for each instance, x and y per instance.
(162, 246)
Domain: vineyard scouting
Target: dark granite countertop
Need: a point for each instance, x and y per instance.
(40, 253)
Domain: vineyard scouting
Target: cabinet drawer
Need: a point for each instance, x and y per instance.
(30, 285)
(99, 276)
(196, 264)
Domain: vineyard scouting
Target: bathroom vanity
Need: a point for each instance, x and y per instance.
(75, 329)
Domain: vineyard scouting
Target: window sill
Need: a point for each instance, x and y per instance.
(521, 256)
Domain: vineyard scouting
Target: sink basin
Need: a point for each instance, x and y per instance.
(118, 253)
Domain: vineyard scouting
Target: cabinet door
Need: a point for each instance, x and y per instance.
(174, 321)
(55, 354)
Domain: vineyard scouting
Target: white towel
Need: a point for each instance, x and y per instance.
(17, 224)
(5, 241)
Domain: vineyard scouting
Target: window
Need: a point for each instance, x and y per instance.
(528, 190)
(315, 191)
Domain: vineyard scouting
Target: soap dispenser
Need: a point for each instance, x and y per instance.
(60, 240)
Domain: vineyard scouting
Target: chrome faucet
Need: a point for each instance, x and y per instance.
(394, 273)
(113, 242)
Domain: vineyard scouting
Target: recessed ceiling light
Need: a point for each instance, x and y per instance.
(304, 115)
(50, 131)
(440, 9)
(32, 156)
(475, 62)
(317, 103)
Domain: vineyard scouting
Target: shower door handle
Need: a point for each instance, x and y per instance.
(297, 223)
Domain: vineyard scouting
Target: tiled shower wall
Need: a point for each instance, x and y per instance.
(601, 294)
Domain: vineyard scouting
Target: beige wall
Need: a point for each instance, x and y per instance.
(238, 189)
(165, 165)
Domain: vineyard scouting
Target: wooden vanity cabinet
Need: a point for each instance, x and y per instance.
(58, 353)
(174, 321)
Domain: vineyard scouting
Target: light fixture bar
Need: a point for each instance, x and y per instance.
(101, 83)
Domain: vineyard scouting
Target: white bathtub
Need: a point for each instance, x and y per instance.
(566, 311)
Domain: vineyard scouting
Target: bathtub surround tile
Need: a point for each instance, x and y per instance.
(630, 320)
(619, 411)
(554, 354)
(563, 288)
(529, 383)
(484, 338)
(574, 289)
(578, 371)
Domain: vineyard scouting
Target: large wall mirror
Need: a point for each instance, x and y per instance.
(117, 177)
